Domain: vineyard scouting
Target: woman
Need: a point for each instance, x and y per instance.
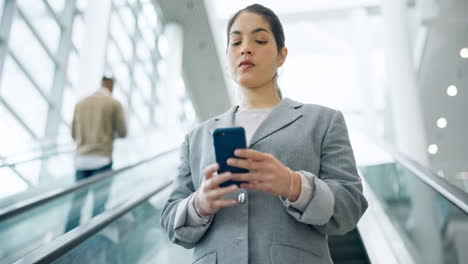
(302, 180)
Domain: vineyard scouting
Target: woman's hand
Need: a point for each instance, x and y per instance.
(209, 196)
(266, 173)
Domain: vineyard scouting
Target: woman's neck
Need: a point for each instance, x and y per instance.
(260, 97)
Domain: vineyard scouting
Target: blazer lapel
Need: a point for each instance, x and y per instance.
(224, 120)
(282, 115)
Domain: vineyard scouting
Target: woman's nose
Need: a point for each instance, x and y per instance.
(246, 50)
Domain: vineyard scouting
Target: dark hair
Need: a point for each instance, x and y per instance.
(269, 16)
(273, 21)
(107, 79)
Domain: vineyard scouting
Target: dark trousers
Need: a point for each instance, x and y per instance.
(100, 196)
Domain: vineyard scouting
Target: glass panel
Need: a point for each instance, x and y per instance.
(431, 225)
(140, 238)
(121, 72)
(113, 55)
(120, 96)
(64, 133)
(140, 107)
(11, 183)
(24, 98)
(150, 15)
(57, 5)
(78, 31)
(128, 18)
(70, 98)
(134, 123)
(121, 37)
(12, 134)
(81, 5)
(142, 51)
(53, 216)
(146, 24)
(143, 84)
(31, 54)
(149, 67)
(30, 171)
(72, 70)
(42, 21)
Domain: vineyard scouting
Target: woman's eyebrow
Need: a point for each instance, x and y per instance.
(237, 32)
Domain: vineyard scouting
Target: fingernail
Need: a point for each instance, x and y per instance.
(237, 152)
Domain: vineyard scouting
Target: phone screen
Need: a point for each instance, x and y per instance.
(226, 141)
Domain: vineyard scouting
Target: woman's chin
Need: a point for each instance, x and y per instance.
(249, 82)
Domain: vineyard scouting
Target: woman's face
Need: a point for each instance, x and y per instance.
(252, 52)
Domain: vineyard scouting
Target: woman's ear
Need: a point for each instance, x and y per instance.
(282, 56)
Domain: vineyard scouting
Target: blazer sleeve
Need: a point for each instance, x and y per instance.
(337, 201)
(175, 210)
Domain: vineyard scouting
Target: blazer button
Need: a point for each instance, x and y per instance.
(241, 198)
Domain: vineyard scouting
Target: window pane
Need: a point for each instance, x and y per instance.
(78, 31)
(81, 5)
(140, 107)
(121, 37)
(70, 98)
(30, 171)
(57, 5)
(23, 97)
(150, 15)
(121, 74)
(143, 84)
(147, 21)
(142, 51)
(11, 183)
(120, 96)
(113, 54)
(32, 55)
(12, 134)
(127, 16)
(64, 134)
(73, 69)
(42, 21)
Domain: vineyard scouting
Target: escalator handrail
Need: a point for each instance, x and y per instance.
(454, 194)
(59, 247)
(45, 153)
(25, 205)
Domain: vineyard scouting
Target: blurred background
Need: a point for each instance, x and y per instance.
(397, 69)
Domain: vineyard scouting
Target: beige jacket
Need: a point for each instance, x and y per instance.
(98, 118)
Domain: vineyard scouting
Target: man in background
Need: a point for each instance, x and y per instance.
(97, 120)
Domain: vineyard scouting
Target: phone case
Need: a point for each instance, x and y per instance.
(226, 140)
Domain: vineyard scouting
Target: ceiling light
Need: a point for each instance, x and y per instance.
(433, 149)
(442, 122)
(452, 90)
(464, 53)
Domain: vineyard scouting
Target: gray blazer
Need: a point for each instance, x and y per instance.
(311, 139)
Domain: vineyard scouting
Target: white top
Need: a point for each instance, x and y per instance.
(250, 120)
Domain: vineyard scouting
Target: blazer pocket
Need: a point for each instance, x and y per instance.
(282, 254)
(209, 258)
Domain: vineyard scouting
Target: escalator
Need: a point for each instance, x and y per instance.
(50, 167)
(31, 224)
(413, 217)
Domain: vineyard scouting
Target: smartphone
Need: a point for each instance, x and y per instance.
(226, 141)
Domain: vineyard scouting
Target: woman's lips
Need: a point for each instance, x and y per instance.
(245, 65)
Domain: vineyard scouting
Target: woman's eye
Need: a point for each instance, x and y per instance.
(235, 43)
(261, 42)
